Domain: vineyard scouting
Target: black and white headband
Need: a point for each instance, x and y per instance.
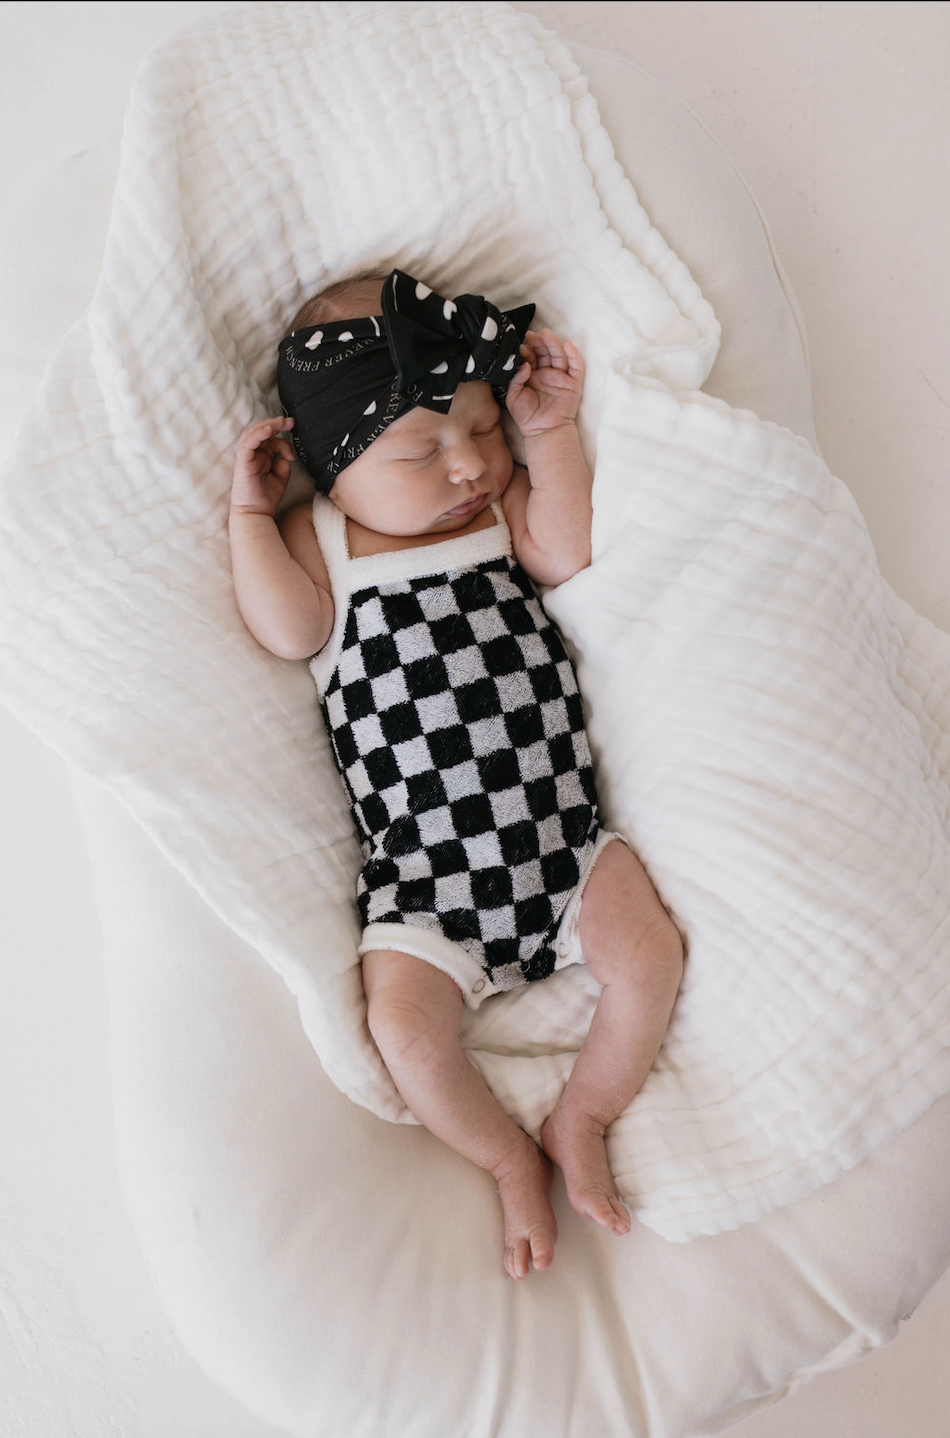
(345, 382)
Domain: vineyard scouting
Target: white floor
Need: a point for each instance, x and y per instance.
(838, 117)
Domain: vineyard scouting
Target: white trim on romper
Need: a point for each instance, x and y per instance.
(348, 574)
(434, 948)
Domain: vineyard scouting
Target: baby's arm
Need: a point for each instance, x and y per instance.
(548, 506)
(280, 580)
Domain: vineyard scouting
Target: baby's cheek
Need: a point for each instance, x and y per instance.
(503, 473)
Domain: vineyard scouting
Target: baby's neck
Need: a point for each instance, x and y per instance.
(361, 541)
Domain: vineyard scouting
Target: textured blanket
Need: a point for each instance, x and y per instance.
(770, 724)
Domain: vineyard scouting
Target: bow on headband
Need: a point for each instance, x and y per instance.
(345, 382)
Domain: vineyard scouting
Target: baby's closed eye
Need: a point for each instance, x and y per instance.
(432, 453)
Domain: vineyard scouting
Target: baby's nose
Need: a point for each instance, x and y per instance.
(466, 464)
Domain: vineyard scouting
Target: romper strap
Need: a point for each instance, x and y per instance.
(330, 527)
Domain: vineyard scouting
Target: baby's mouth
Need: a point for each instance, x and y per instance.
(468, 504)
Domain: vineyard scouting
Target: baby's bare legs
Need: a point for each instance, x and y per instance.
(632, 948)
(415, 1016)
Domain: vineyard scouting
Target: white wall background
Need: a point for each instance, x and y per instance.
(838, 116)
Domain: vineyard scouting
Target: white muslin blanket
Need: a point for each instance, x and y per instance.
(770, 724)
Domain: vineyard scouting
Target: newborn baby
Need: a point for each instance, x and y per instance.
(453, 710)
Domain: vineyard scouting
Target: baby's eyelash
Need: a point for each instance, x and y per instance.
(479, 433)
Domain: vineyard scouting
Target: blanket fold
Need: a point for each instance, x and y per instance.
(771, 725)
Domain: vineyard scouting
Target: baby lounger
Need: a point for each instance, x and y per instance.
(340, 1274)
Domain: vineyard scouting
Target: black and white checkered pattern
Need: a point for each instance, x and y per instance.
(457, 725)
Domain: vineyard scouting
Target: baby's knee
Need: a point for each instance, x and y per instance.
(624, 924)
(413, 1015)
(401, 1030)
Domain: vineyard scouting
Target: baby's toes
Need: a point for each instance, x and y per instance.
(601, 1206)
(542, 1249)
(517, 1259)
(622, 1224)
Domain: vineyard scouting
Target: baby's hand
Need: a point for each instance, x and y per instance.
(261, 467)
(546, 390)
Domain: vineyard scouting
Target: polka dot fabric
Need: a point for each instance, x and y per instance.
(345, 382)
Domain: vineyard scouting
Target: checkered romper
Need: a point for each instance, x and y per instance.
(456, 722)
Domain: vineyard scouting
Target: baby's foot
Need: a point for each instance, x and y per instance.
(576, 1143)
(524, 1184)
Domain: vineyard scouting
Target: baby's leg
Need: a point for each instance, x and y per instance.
(633, 949)
(415, 1016)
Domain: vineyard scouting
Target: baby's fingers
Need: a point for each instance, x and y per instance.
(575, 364)
(548, 349)
(521, 376)
(255, 434)
(553, 352)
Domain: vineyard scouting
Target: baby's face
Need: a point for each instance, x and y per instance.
(430, 473)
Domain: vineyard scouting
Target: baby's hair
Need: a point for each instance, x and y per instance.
(349, 299)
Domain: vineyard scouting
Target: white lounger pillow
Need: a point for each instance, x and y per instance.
(261, 1207)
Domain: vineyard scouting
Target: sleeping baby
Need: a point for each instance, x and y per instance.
(453, 710)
